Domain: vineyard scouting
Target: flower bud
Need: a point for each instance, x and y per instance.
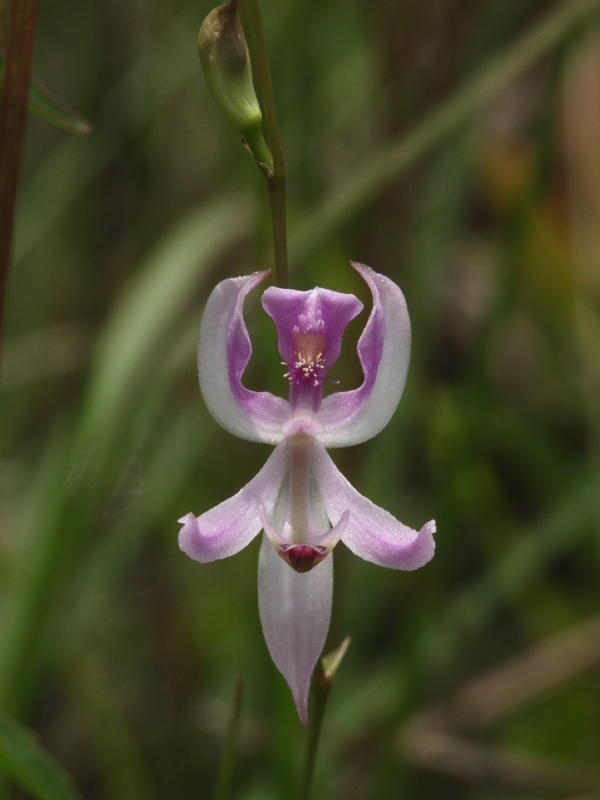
(226, 63)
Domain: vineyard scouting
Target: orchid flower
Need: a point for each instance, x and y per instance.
(299, 498)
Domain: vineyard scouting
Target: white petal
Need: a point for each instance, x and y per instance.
(348, 418)
(232, 524)
(370, 532)
(224, 350)
(295, 609)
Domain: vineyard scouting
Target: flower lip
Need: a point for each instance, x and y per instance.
(302, 557)
(309, 326)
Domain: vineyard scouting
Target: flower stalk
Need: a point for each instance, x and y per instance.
(321, 687)
(276, 177)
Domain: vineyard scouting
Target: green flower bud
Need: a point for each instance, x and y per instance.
(226, 63)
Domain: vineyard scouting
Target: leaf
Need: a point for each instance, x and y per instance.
(332, 661)
(47, 105)
(23, 759)
(151, 304)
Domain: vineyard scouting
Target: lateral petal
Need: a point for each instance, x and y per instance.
(230, 526)
(348, 418)
(371, 532)
(224, 350)
(295, 610)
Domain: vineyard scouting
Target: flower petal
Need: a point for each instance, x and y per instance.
(371, 532)
(348, 418)
(320, 313)
(295, 609)
(224, 350)
(230, 526)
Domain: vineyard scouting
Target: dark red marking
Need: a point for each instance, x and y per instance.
(302, 557)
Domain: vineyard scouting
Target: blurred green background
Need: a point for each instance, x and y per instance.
(454, 146)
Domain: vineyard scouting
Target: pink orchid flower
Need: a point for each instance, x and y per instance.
(299, 498)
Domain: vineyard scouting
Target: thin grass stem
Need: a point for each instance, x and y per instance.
(367, 182)
(227, 763)
(22, 22)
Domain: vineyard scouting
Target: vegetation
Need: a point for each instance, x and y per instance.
(452, 146)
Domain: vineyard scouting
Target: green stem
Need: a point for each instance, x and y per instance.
(321, 686)
(322, 682)
(276, 177)
(276, 189)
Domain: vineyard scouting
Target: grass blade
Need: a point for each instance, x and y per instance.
(29, 765)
